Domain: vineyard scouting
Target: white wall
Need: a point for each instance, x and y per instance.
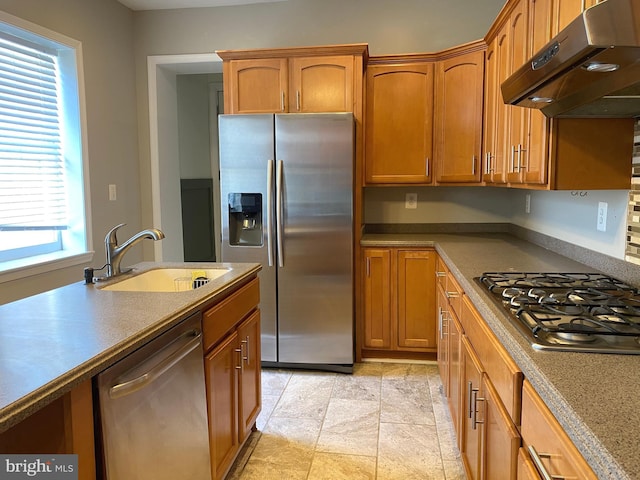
(566, 215)
(571, 216)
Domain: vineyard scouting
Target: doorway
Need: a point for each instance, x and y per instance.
(173, 158)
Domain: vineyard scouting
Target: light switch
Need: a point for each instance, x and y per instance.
(112, 192)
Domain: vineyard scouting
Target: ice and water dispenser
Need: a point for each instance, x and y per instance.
(245, 219)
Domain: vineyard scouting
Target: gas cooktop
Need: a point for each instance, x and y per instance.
(583, 312)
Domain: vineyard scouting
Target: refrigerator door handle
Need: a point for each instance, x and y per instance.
(270, 211)
(279, 212)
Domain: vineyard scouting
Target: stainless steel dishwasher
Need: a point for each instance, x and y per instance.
(153, 410)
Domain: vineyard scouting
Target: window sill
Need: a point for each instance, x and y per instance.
(27, 267)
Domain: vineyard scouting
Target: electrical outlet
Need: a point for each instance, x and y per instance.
(112, 192)
(411, 200)
(527, 203)
(602, 216)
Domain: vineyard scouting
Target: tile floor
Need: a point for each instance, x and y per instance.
(386, 421)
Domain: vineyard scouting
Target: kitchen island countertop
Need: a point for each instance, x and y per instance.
(53, 341)
(594, 396)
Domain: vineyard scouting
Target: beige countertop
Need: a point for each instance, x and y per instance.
(53, 341)
(594, 396)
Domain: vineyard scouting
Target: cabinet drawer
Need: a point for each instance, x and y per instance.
(454, 294)
(500, 367)
(221, 318)
(441, 273)
(541, 430)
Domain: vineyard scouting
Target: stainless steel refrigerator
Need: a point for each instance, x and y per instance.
(286, 184)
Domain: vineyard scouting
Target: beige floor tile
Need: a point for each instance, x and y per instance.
(406, 402)
(306, 396)
(268, 404)
(332, 466)
(358, 387)
(408, 452)
(386, 421)
(274, 381)
(285, 449)
(350, 427)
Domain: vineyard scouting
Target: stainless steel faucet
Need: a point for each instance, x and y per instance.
(115, 252)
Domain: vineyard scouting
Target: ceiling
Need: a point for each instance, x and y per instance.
(167, 4)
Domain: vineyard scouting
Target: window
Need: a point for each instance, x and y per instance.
(43, 164)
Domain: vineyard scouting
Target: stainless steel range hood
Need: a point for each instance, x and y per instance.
(590, 69)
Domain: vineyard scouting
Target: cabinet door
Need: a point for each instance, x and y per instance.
(221, 367)
(416, 299)
(443, 340)
(519, 117)
(399, 123)
(458, 118)
(492, 96)
(565, 11)
(501, 437)
(503, 111)
(377, 298)
(472, 412)
(256, 86)
(321, 84)
(455, 373)
(250, 398)
(536, 167)
(526, 468)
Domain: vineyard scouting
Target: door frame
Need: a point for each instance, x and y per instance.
(163, 144)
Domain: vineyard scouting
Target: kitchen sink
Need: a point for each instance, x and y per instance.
(167, 280)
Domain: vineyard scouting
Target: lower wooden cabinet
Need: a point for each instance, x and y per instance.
(471, 363)
(472, 412)
(232, 374)
(489, 439)
(501, 437)
(399, 300)
(546, 444)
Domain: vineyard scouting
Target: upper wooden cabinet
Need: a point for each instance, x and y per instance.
(321, 84)
(399, 121)
(458, 115)
(522, 147)
(295, 80)
(256, 85)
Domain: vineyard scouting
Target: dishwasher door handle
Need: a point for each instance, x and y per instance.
(190, 341)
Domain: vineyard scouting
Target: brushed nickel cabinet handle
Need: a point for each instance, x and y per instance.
(282, 101)
(520, 150)
(470, 399)
(245, 347)
(298, 100)
(537, 462)
(427, 167)
(239, 351)
(474, 416)
(452, 294)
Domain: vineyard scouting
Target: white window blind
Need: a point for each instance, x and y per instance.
(32, 168)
